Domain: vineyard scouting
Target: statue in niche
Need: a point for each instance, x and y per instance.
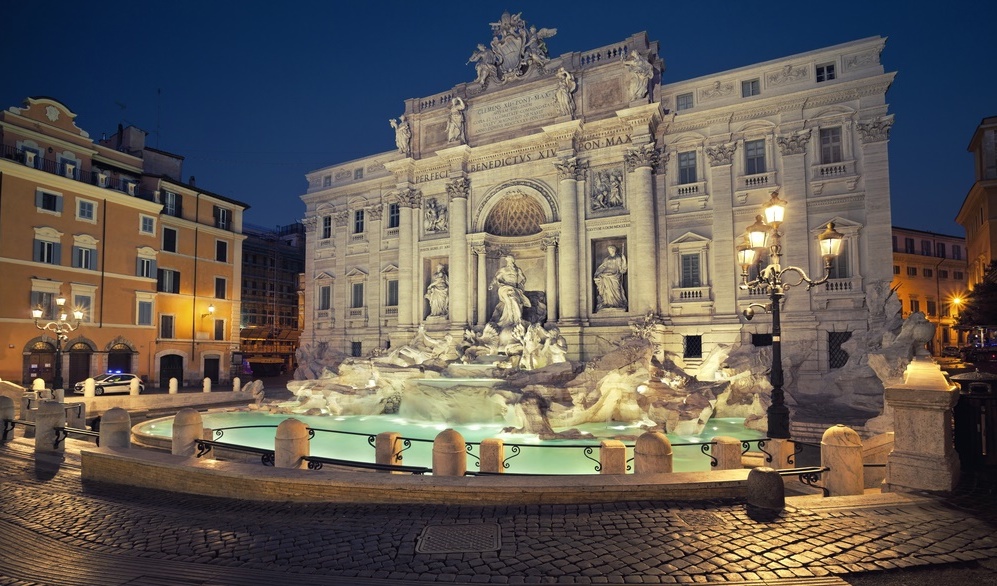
(455, 123)
(403, 135)
(565, 86)
(510, 281)
(607, 190)
(609, 281)
(641, 73)
(438, 293)
(437, 216)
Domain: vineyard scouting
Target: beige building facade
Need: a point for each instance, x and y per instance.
(978, 213)
(617, 192)
(109, 226)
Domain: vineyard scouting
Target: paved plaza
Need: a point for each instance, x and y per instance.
(56, 530)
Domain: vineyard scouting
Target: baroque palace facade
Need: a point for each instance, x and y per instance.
(615, 194)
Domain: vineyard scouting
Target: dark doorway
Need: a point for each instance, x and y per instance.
(40, 363)
(211, 369)
(170, 366)
(119, 358)
(79, 364)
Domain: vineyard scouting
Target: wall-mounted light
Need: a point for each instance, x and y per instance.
(211, 311)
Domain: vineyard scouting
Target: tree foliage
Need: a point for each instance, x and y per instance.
(980, 306)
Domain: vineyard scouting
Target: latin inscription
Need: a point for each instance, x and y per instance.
(518, 111)
(432, 176)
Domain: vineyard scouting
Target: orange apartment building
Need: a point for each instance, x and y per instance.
(153, 263)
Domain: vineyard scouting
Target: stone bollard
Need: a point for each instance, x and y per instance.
(89, 387)
(59, 395)
(841, 451)
(174, 386)
(291, 444)
(6, 414)
(38, 385)
(386, 449)
(236, 384)
(612, 457)
(206, 385)
(76, 415)
(50, 416)
(29, 406)
(766, 493)
(491, 453)
(187, 428)
(115, 429)
(133, 387)
(652, 453)
(449, 454)
(783, 453)
(727, 451)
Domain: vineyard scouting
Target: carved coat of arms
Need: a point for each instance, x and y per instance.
(515, 51)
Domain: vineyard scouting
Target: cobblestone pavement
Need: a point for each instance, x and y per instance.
(56, 530)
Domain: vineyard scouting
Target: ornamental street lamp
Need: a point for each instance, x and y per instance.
(764, 234)
(61, 328)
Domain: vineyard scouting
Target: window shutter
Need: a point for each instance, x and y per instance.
(76, 257)
(58, 204)
(176, 282)
(153, 270)
(57, 253)
(159, 280)
(93, 259)
(38, 199)
(38, 251)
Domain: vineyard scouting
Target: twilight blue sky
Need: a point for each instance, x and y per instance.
(256, 94)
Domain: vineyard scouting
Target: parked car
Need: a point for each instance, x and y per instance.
(952, 351)
(112, 383)
(983, 359)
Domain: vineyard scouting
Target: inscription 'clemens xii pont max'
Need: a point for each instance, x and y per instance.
(516, 111)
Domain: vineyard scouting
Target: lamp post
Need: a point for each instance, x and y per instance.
(61, 328)
(764, 234)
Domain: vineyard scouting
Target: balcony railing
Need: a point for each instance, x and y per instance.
(77, 172)
(690, 293)
(757, 181)
(833, 170)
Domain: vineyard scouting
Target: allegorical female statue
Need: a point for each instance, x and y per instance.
(403, 135)
(455, 122)
(510, 281)
(609, 281)
(438, 293)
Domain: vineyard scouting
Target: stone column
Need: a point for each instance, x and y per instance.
(726, 273)
(570, 267)
(796, 240)
(923, 456)
(875, 135)
(549, 245)
(406, 248)
(481, 312)
(457, 191)
(640, 163)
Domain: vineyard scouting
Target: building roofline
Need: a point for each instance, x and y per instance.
(926, 232)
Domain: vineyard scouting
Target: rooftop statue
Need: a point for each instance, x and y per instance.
(515, 51)
(403, 135)
(641, 72)
(455, 123)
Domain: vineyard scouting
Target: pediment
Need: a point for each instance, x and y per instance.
(389, 269)
(690, 238)
(324, 276)
(355, 272)
(843, 225)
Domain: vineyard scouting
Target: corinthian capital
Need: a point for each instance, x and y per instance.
(876, 130)
(645, 155)
(721, 154)
(794, 144)
(569, 168)
(409, 198)
(458, 187)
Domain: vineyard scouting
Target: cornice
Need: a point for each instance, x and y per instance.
(62, 184)
(41, 136)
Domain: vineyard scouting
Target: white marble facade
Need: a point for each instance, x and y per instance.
(668, 177)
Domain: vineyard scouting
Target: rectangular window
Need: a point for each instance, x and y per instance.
(830, 146)
(168, 281)
(943, 274)
(221, 251)
(957, 275)
(840, 268)
(325, 297)
(146, 267)
(687, 167)
(394, 215)
(683, 101)
(45, 302)
(690, 271)
(172, 204)
(915, 305)
(85, 258)
(896, 269)
(219, 329)
(356, 348)
(358, 217)
(927, 272)
(326, 227)
(144, 313)
(754, 157)
(825, 72)
(84, 210)
(221, 284)
(931, 307)
(147, 225)
(356, 300)
(83, 303)
(327, 181)
(940, 249)
(909, 245)
(358, 173)
(223, 218)
(169, 240)
(895, 249)
(926, 247)
(956, 252)
(50, 202)
(48, 252)
(692, 347)
(751, 87)
(836, 355)
(392, 294)
(166, 326)
(761, 339)
(911, 271)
